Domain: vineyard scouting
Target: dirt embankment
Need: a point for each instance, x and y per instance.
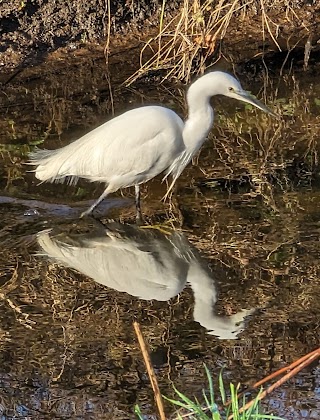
(29, 29)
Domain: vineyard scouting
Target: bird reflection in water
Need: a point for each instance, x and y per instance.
(145, 263)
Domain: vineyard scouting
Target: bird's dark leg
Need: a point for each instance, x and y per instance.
(94, 205)
(138, 205)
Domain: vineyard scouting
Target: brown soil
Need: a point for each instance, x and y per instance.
(30, 29)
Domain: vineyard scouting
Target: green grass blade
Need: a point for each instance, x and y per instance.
(199, 411)
(137, 412)
(221, 389)
(210, 383)
(234, 402)
(212, 407)
(178, 403)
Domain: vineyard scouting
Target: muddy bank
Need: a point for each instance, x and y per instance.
(31, 29)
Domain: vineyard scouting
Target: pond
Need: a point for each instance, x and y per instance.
(225, 273)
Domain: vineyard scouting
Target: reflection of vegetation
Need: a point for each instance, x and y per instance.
(21, 150)
(80, 333)
(13, 153)
(266, 154)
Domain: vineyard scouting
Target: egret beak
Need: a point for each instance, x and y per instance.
(250, 99)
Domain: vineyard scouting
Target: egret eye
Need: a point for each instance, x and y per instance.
(231, 89)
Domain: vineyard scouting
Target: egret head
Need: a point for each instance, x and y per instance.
(223, 83)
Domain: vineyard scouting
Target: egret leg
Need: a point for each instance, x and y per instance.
(138, 205)
(94, 205)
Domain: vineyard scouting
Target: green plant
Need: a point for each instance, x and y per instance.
(235, 408)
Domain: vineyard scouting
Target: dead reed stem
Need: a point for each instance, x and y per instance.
(150, 370)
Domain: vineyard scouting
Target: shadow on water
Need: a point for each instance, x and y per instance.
(249, 239)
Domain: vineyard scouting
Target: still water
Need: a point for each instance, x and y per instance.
(226, 273)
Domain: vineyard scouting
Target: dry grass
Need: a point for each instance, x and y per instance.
(189, 43)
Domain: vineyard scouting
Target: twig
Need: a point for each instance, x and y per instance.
(150, 370)
(275, 374)
(299, 365)
(285, 369)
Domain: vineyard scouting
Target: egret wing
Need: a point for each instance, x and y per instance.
(129, 149)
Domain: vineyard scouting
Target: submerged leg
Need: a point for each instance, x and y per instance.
(138, 205)
(94, 205)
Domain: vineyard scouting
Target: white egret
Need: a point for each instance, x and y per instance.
(149, 265)
(140, 144)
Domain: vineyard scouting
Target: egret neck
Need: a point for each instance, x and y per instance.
(196, 128)
(200, 116)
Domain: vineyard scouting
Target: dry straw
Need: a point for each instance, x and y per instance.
(189, 42)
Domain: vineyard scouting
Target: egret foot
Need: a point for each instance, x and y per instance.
(85, 213)
(94, 205)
